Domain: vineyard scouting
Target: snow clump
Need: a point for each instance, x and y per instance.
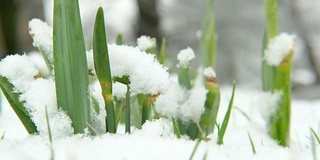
(178, 102)
(185, 56)
(146, 74)
(145, 42)
(278, 48)
(209, 72)
(37, 93)
(42, 37)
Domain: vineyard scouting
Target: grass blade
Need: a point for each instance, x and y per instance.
(2, 136)
(119, 39)
(195, 149)
(163, 52)
(176, 128)
(128, 117)
(267, 71)
(226, 118)
(252, 144)
(103, 71)
(315, 135)
(209, 41)
(146, 107)
(70, 66)
(49, 134)
(17, 106)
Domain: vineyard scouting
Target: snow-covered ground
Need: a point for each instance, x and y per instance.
(156, 139)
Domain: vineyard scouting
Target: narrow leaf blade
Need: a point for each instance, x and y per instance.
(70, 64)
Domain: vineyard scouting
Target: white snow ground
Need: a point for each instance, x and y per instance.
(157, 141)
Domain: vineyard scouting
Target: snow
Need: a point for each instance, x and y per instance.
(38, 94)
(185, 56)
(278, 48)
(156, 139)
(42, 37)
(145, 73)
(120, 17)
(209, 72)
(178, 102)
(268, 103)
(145, 42)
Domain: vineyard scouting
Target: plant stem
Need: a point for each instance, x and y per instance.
(128, 117)
(271, 13)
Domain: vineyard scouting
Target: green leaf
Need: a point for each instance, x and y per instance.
(49, 135)
(183, 77)
(146, 107)
(70, 64)
(103, 70)
(176, 128)
(195, 149)
(280, 122)
(268, 71)
(271, 13)
(119, 40)
(226, 118)
(128, 117)
(252, 144)
(209, 37)
(209, 117)
(315, 135)
(17, 106)
(163, 52)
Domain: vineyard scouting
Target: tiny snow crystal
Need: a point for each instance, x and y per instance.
(185, 56)
(278, 48)
(145, 42)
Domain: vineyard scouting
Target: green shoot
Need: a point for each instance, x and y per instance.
(146, 107)
(209, 117)
(176, 128)
(280, 122)
(183, 76)
(252, 144)
(163, 52)
(128, 117)
(119, 39)
(71, 74)
(2, 136)
(315, 135)
(17, 106)
(208, 39)
(102, 67)
(243, 113)
(195, 149)
(313, 145)
(49, 134)
(271, 16)
(225, 121)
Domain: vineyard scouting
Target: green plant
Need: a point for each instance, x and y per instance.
(102, 67)
(49, 135)
(18, 106)
(277, 77)
(252, 144)
(222, 129)
(70, 64)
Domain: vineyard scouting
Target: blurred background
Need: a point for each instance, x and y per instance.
(239, 25)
